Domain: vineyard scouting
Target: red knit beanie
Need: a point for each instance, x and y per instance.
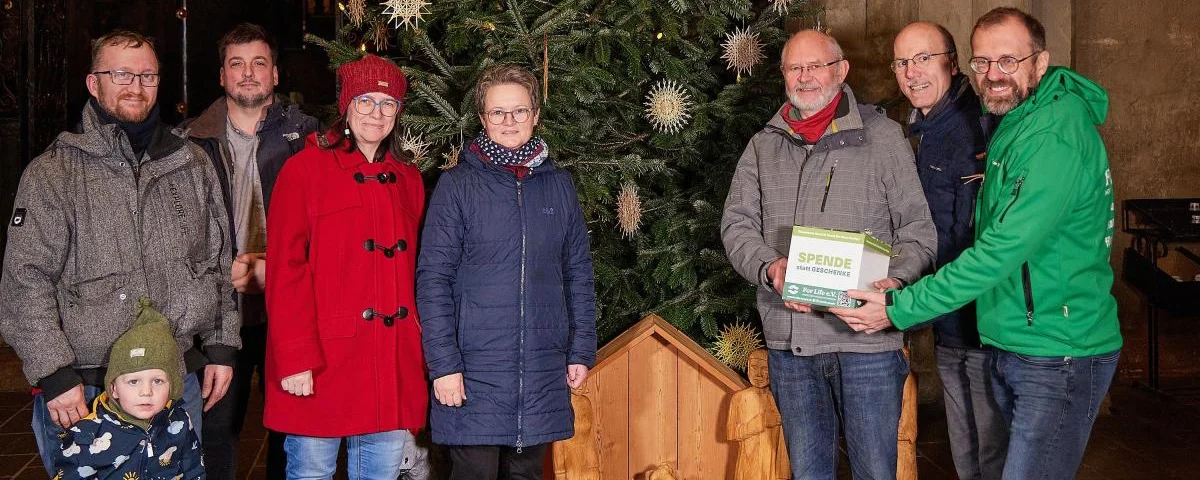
(370, 74)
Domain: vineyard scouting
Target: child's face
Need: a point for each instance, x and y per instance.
(142, 394)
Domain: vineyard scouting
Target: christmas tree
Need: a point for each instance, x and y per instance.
(648, 103)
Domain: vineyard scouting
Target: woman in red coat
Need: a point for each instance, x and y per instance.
(344, 345)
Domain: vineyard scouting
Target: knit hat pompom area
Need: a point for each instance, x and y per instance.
(370, 74)
(148, 344)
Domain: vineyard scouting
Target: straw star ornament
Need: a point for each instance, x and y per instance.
(667, 106)
(405, 13)
(742, 51)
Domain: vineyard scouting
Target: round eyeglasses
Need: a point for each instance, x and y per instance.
(121, 77)
(918, 60)
(519, 115)
(1007, 64)
(365, 105)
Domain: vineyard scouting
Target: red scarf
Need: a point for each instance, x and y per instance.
(813, 127)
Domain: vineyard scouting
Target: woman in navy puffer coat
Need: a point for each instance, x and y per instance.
(505, 291)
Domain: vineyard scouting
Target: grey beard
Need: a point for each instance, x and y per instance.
(816, 106)
(251, 101)
(1003, 106)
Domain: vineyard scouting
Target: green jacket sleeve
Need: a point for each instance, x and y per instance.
(1045, 179)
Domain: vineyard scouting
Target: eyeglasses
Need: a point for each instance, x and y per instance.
(1007, 64)
(918, 60)
(121, 77)
(519, 115)
(811, 69)
(364, 105)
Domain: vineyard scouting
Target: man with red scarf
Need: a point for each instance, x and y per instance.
(825, 161)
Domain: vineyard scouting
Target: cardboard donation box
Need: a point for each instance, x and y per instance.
(823, 264)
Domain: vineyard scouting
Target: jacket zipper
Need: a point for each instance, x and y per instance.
(1028, 293)
(137, 205)
(521, 333)
(1016, 193)
(828, 182)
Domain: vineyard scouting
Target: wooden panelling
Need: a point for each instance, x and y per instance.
(957, 20)
(610, 404)
(885, 18)
(866, 28)
(719, 454)
(692, 423)
(1056, 17)
(658, 397)
(653, 406)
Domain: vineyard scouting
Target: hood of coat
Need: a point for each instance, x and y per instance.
(211, 122)
(1059, 83)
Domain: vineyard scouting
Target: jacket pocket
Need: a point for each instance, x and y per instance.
(1016, 195)
(97, 310)
(200, 292)
(1027, 287)
(937, 174)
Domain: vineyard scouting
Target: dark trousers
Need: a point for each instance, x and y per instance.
(488, 462)
(223, 422)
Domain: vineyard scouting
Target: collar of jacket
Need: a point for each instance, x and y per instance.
(473, 160)
(846, 130)
(107, 141)
(211, 123)
(103, 404)
(956, 102)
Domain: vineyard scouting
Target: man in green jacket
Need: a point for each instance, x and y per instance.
(1039, 270)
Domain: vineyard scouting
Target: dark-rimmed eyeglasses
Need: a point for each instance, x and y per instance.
(1007, 64)
(519, 115)
(918, 60)
(365, 105)
(121, 77)
(811, 69)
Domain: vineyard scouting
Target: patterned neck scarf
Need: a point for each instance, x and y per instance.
(530, 155)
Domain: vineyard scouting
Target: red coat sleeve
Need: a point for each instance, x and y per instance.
(294, 344)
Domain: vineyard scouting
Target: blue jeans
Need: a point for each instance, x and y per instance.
(383, 455)
(1050, 404)
(978, 433)
(863, 389)
(46, 432)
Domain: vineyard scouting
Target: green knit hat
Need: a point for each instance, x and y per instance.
(147, 344)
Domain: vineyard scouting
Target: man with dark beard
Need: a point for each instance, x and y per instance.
(249, 133)
(121, 208)
(824, 161)
(1039, 268)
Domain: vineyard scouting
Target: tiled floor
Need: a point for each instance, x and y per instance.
(1145, 436)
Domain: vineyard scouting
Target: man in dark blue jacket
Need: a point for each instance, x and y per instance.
(248, 133)
(945, 127)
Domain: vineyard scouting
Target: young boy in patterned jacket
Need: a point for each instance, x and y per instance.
(138, 429)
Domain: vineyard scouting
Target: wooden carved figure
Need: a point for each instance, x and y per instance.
(906, 441)
(755, 423)
(663, 471)
(578, 457)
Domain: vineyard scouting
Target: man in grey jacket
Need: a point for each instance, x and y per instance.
(118, 209)
(824, 161)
